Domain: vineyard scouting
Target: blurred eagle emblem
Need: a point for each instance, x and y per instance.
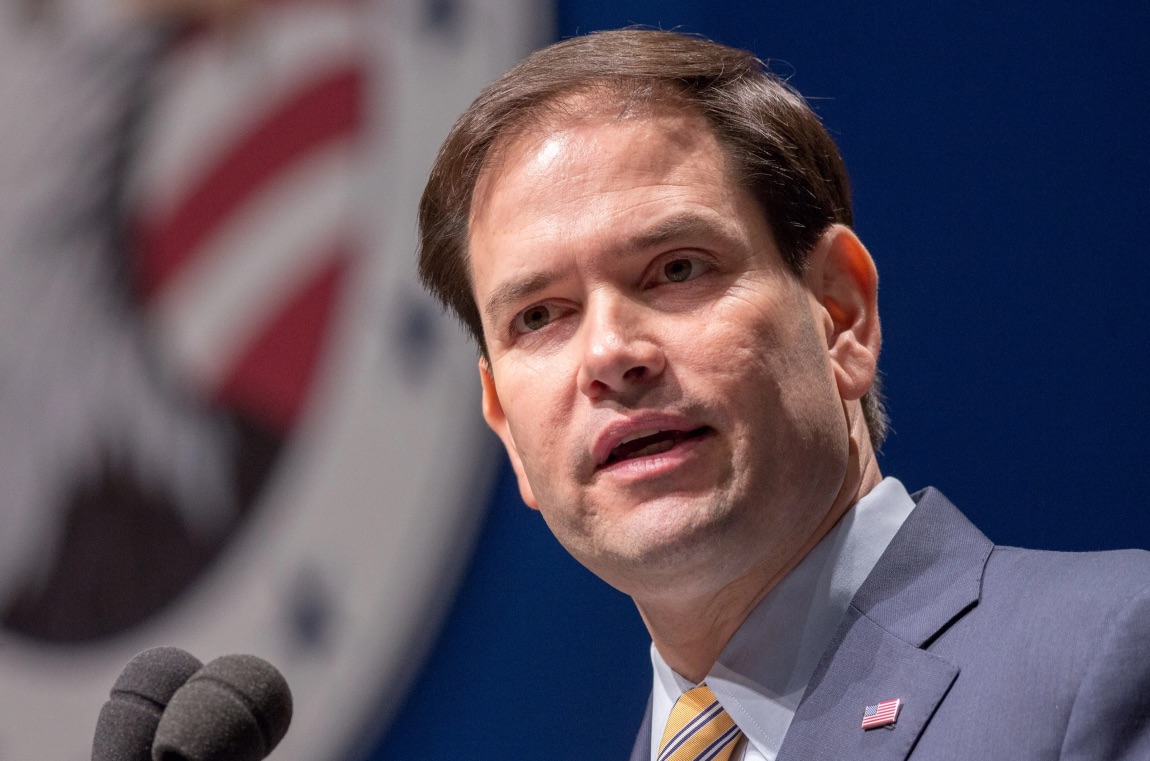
(191, 265)
(230, 419)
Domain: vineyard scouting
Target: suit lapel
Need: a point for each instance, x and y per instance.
(929, 576)
(867, 666)
(642, 749)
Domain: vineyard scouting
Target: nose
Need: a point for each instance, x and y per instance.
(619, 354)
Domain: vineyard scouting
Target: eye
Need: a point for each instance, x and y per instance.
(678, 270)
(533, 318)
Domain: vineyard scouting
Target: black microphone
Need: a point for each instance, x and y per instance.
(128, 721)
(236, 708)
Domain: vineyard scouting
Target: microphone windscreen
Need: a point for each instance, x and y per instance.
(236, 708)
(128, 721)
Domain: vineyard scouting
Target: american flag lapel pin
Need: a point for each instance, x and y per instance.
(882, 714)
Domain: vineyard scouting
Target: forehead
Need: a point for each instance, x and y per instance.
(590, 155)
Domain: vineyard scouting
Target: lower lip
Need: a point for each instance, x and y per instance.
(654, 465)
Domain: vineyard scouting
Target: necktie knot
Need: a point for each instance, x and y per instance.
(698, 729)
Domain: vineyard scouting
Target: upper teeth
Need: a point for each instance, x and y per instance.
(639, 435)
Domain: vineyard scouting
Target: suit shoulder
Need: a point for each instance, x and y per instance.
(1119, 569)
(1074, 585)
(1063, 641)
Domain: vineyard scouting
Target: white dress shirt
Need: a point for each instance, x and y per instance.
(763, 672)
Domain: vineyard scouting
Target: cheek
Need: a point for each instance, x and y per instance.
(741, 340)
(764, 355)
(539, 417)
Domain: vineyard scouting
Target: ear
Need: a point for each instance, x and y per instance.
(842, 279)
(497, 420)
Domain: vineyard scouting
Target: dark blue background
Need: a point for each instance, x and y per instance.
(1002, 182)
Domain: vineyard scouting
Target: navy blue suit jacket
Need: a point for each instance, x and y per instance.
(996, 653)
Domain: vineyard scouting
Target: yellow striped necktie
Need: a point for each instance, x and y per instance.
(698, 729)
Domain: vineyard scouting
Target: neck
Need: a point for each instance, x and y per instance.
(690, 633)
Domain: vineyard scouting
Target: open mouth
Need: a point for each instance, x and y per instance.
(652, 444)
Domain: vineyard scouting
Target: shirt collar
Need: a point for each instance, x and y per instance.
(761, 675)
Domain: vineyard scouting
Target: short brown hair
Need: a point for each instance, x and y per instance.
(777, 146)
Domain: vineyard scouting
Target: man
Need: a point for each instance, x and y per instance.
(650, 239)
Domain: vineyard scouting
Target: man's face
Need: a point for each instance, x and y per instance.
(661, 380)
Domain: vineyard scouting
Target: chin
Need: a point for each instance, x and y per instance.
(632, 558)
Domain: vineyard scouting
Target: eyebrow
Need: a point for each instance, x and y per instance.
(512, 291)
(684, 225)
